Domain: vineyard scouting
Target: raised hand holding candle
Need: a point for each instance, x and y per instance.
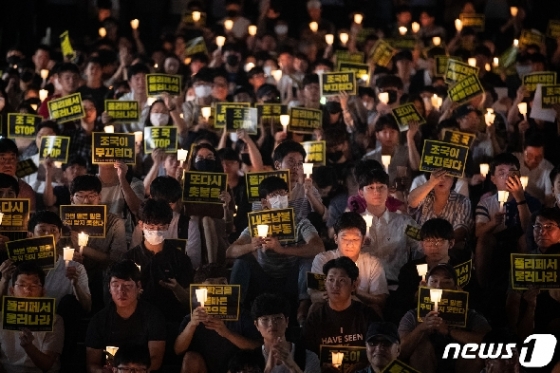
(358, 18)
(134, 24)
(182, 155)
(67, 255)
(138, 136)
(458, 25)
(262, 230)
(436, 40)
(422, 270)
(415, 27)
(313, 26)
(402, 30)
(308, 169)
(435, 297)
(436, 101)
(112, 350)
(343, 38)
(284, 121)
(502, 198)
(515, 42)
(44, 74)
(472, 62)
(522, 107)
(206, 111)
(277, 75)
(369, 220)
(220, 41)
(43, 94)
(252, 29)
(228, 24)
(484, 168)
(102, 32)
(201, 296)
(109, 129)
(82, 240)
(489, 118)
(513, 10)
(495, 62)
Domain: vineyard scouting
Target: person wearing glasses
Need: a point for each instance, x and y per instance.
(132, 358)
(127, 319)
(26, 351)
(270, 313)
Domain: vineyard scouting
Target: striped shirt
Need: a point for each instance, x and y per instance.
(457, 211)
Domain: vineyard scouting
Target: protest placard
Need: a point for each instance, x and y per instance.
(222, 301)
(531, 80)
(90, 219)
(156, 84)
(196, 45)
(474, 21)
(54, 147)
(397, 366)
(344, 55)
(316, 281)
(179, 243)
(113, 147)
(331, 84)
(203, 186)
(452, 307)
(553, 29)
(529, 37)
(165, 138)
(39, 250)
(66, 108)
(267, 113)
(438, 154)
(465, 89)
(359, 69)
(550, 96)
(457, 71)
(381, 53)
(220, 111)
(508, 57)
(26, 167)
(413, 232)
(534, 269)
(406, 114)
(403, 42)
(463, 272)
(21, 125)
(242, 118)
(354, 358)
(316, 152)
(16, 214)
(281, 223)
(66, 45)
(304, 120)
(253, 180)
(459, 138)
(122, 111)
(34, 314)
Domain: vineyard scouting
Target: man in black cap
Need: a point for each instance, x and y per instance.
(383, 345)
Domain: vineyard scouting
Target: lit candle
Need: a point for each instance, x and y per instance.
(43, 94)
(489, 118)
(228, 24)
(513, 10)
(384, 97)
(102, 32)
(515, 42)
(249, 66)
(365, 78)
(277, 75)
(436, 40)
(220, 41)
(336, 358)
(487, 67)
(206, 111)
(34, 106)
(44, 73)
(1, 217)
(182, 155)
(522, 107)
(134, 24)
(313, 26)
(58, 164)
(484, 168)
(201, 296)
(495, 62)
(524, 181)
(196, 16)
(472, 62)
(435, 297)
(436, 101)
(358, 18)
(308, 169)
(252, 29)
(343, 38)
(109, 129)
(369, 220)
(112, 350)
(502, 198)
(138, 135)
(386, 161)
(150, 101)
(422, 270)
(262, 230)
(458, 25)
(415, 27)
(82, 240)
(402, 30)
(490, 110)
(329, 38)
(284, 121)
(156, 65)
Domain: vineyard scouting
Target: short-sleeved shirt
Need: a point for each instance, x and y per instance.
(539, 185)
(13, 357)
(457, 211)
(107, 328)
(57, 285)
(489, 206)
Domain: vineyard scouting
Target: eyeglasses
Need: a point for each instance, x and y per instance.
(132, 370)
(346, 242)
(267, 320)
(28, 286)
(435, 243)
(341, 281)
(545, 227)
(90, 197)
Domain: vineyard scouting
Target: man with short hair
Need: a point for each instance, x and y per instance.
(8, 165)
(131, 357)
(383, 345)
(94, 84)
(536, 168)
(68, 78)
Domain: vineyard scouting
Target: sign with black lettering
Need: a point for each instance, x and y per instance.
(550, 96)
(508, 57)
(316, 281)
(35, 314)
(220, 119)
(441, 64)
(65, 45)
(359, 69)
(242, 118)
(22, 125)
(39, 250)
(16, 214)
(452, 307)
(156, 84)
(253, 180)
(113, 147)
(165, 138)
(90, 219)
(196, 45)
(222, 301)
(403, 42)
(457, 71)
(529, 37)
(381, 53)
(354, 357)
(281, 223)
(535, 269)
(204, 186)
(304, 120)
(439, 154)
(465, 89)
(406, 114)
(179, 243)
(459, 138)
(271, 113)
(474, 21)
(344, 55)
(26, 167)
(333, 83)
(463, 272)
(397, 366)
(316, 152)
(530, 81)
(123, 111)
(553, 30)
(67, 108)
(54, 147)
(413, 232)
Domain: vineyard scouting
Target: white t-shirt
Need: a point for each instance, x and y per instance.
(312, 364)
(539, 185)
(57, 285)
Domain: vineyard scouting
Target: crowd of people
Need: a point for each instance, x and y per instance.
(367, 218)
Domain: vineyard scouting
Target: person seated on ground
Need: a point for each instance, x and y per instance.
(26, 351)
(246, 361)
(9, 188)
(270, 313)
(125, 319)
(201, 335)
(132, 358)
(264, 264)
(340, 320)
(8, 165)
(383, 345)
(166, 272)
(350, 233)
(422, 343)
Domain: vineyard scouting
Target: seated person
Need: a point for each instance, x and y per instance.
(201, 335)
(422, 343)
(350, 232)
(263, 264)
(9, 188)
(26, 351)
(383, 345)
(131, 357)
(125, 319)
(271, 316)
(340, 320)
(8, 165)
(166, 272)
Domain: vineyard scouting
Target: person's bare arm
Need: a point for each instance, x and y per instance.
(514, 186)
(316, 203)
(158, 157)
(243, 245)
(94, 360)
(413, 155)
(184, 338)
(157, 348)
(418, 194)
(238, 340)
(49, 199)
(308, 250)
(254, 152)
(130, 197)
(410, 341)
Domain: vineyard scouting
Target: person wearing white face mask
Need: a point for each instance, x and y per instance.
(202, 87)
(166, 272)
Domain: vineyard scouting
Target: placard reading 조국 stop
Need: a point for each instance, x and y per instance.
(54, 147)
(220, 119)
(164, 138)
(21, 125)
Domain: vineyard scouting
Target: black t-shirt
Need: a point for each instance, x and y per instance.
(325, 326)
(98, 95)
(62, 194)
(107, 328)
